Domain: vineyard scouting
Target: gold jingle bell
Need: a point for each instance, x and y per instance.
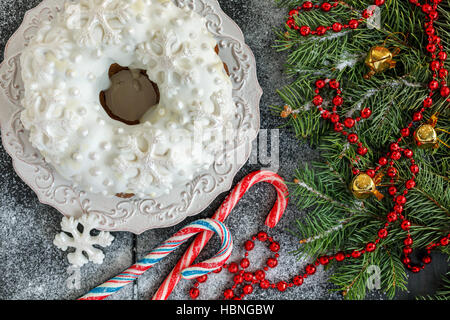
(363, 186)
(426, 137)
(379, 59)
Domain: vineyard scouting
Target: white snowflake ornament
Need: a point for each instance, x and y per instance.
(83, 242)
(169, 61)
(90, 16)
(139, 156)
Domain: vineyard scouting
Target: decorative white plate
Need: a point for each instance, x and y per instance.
(135, 214)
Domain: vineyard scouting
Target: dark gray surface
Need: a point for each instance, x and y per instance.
(33, 268)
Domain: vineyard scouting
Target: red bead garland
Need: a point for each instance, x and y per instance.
(326, 7)
(334, 118)
(248, 281)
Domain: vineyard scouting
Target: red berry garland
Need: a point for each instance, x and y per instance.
(248, 280)
(395, 151)
(326, 7)
(334, 118)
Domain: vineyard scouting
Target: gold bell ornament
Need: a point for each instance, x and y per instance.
(363, 186)
(426, 137)
(426, 134)
(381, 58)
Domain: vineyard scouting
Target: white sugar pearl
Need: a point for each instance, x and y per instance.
(105, 146)
(77, 157)
(172, 125)
(140, 18)
(82, 111)
(83, 132)
(177, 22)
(98, 53)
(70, 73)
(179, 105)
(57, 92)
(198, 92)
(212, 69)
(107, 183)
(74, 92)
(77, 58)
(129, 31)
(95, 172)
(93, 156)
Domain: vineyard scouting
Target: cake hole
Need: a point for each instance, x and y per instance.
(130, 95)
(115, 68)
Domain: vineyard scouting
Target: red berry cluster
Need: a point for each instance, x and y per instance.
(326, 7)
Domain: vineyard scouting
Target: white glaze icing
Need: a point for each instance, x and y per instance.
(65, 67)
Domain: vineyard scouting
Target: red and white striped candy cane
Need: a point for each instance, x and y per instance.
(221, 214)
(131, 274)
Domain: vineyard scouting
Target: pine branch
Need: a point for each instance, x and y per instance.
(336, 220)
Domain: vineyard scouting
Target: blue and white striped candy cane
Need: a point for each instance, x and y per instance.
(118, 282)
